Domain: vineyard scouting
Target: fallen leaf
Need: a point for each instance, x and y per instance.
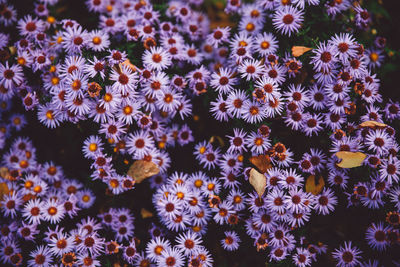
(350, 159)
(145, 213)
(128, 64)
(117, 68)
(3, 190)
(217, 138)
(372, 124)
(28, 197)
(299, 50)
(262, 162)
(5, 173)
(258, 181)
(312, 187)
(12, 49)
(142, 169)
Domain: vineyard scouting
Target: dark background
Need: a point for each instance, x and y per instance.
(63, 146)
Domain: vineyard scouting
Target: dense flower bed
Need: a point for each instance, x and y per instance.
(246, 124)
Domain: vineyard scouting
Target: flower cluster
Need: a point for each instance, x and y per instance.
(41, 194)
(136, 77)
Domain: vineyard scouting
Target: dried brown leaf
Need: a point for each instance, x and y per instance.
(299, 50)
(4, 190)
(258, 181)
(217, 138)
(350, 159)
(128, 64)
(145, 213)
(313, 187)
(373, 125)
(142, 169)
(5, 173)
(262, 162)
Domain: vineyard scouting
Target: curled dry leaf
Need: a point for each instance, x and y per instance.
(373, 125)
(299, 50)
(5, 173)
(258, 181)
(117, 68)
(13, 50)
(313, 187)
(142, 169)
(128, 64)
(350, 159)
(145, 213)
(4, 190)
(217, 138)
(262, 162)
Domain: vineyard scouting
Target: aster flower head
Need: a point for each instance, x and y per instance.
(378, 141)
(237, 142)
(40, 257)
(10, 76)
(125, 80)
(287, 20)
(188, 243)
(223, 81)
(325, 202)
(347, 255)
(11, 204)
(266, 44)
(53, 211)
(231, 241)
(30, 26)
(171, 257)
(218, 36)
(98, 40)
(157, 58)
(74, 39)
(324, 57)
(251, 69)
(254, 112)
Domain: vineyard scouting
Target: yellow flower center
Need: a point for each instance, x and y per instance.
(21, 61)
(114, 183)
(93, 147)
(96, 40)
(237, 199)
(23, 164)
(51, 19)
(374, 57)
(198, 183)
(55, 80)
(49, 115)
(158, 250)
(128, 110)
(264, 45)
(250, 27)
(107, 97)
(17, 121)
(52, 210)
(202, 150)
(86, 198)
(28, 184)
(258, 141)
(37, 189)
(196, 228)
(242, 43)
